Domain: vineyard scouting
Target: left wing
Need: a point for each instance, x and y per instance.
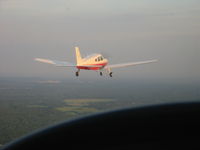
(56, 63)
(62, 63)
(129, 64)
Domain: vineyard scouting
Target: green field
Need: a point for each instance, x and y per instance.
(82, 106)
(20, 116)
(86, 102)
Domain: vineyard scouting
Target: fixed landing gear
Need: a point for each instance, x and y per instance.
(77, 73)
(110, 74)
(101, 73)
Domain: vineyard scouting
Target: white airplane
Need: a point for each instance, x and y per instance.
(92, 62)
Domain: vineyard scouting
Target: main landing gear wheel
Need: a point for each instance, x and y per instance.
(101, 73)
(110, 74)
(77, 73)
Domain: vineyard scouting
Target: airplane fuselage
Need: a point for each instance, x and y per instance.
(93, 62)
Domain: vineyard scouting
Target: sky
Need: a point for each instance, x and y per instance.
(122, 30)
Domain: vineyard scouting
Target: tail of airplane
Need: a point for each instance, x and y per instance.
(78, 56)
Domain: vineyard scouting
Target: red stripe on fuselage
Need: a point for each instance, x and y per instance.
(93, 68)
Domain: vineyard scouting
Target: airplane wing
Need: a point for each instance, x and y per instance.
(56, 63)
(61, 63)
(130, 64)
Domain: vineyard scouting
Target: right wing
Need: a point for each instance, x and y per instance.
(56, 63)
(130, 64)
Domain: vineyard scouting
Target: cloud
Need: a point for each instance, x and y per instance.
(48, 81)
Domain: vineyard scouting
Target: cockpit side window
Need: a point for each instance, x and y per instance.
(99, 59)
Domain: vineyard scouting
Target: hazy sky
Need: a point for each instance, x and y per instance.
(124, 30)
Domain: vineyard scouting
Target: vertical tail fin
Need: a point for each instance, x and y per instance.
(78, 56)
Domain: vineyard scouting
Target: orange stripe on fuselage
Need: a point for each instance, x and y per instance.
(92, 68)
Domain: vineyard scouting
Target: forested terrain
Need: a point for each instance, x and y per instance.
(27, 105)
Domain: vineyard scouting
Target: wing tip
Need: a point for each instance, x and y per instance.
(154, 60)
(36, 59)
(44, 61)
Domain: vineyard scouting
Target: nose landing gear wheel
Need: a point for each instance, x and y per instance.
(101, 73)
